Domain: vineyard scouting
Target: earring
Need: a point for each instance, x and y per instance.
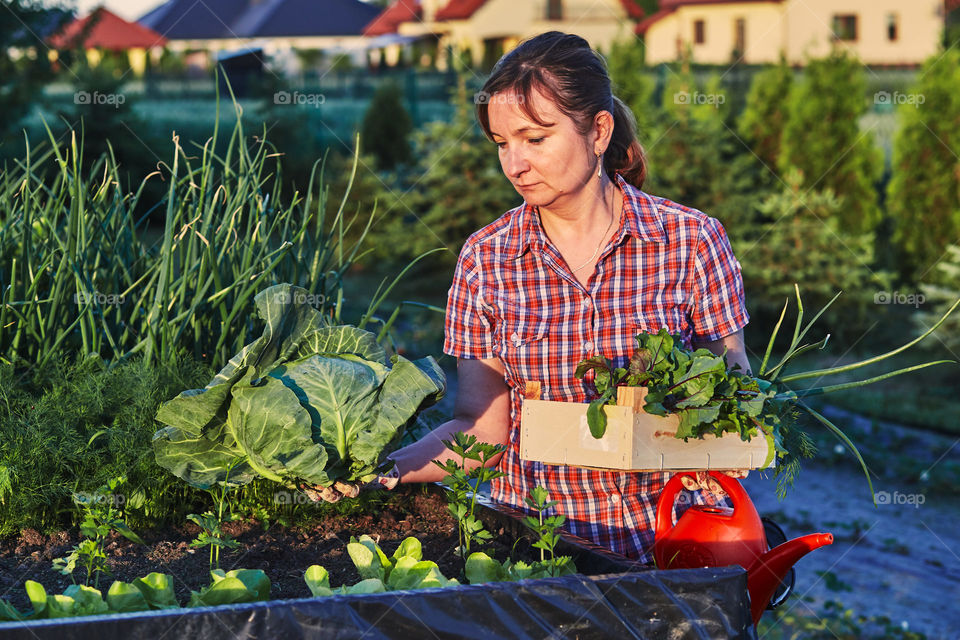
(599, 164)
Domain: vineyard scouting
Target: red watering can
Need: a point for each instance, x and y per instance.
(707, 536)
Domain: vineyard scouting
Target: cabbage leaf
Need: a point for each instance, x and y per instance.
(303, 402)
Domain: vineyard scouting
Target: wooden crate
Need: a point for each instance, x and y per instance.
(557, 433)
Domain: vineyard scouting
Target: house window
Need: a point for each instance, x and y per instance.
(892, 23)
(845, 27)
(554, 9)
(699, 32)
(739, 36)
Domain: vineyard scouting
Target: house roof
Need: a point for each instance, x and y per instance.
(669, 6)
(645, 24)
(391, 17)
(463, 9)
(211, 19)
(408, 10)
(190, 20)
(673, 4)
(458, 9)
(105, 30)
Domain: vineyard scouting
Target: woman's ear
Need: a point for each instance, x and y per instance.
(603, 130)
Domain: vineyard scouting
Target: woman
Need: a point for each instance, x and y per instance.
(586, 263)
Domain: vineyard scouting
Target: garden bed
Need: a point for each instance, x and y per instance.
(635, 598)
(283, 553)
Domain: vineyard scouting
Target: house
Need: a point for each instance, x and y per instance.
(203, 31)
(102, 31)
(877, 32)
(484, 29)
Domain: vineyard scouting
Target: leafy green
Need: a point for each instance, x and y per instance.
(76, 600)
(232, 587)
(405, 569)
(124, 597)
(482, 568)
(707, 398)
(693, 385)
(464, 485)
(157, 589)
(304, 402)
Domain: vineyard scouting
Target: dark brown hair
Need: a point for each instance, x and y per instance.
(566, 69)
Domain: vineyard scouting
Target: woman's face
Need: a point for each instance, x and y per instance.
(544, 163)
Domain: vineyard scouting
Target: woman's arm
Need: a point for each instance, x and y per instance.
(733, 343)
(482, 409)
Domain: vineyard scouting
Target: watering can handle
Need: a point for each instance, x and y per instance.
(674, 486)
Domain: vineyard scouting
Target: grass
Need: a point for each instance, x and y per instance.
(833, 621)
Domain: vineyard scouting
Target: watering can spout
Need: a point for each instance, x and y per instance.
(766, 573)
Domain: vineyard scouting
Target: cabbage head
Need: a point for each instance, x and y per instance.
(303, 402)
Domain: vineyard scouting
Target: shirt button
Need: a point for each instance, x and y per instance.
(586, 302)
(587, 346)
(615, 498)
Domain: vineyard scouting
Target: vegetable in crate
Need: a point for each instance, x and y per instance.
(304, 402)
(708, 398)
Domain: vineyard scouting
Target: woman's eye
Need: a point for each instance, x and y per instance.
(500, 145)
(535, 140)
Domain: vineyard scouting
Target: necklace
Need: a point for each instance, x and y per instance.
(603, 237)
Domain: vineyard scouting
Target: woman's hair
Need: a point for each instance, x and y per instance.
(564, 68)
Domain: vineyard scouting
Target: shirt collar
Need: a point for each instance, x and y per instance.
(641, 220)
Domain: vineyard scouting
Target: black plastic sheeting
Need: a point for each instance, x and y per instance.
(686, 603)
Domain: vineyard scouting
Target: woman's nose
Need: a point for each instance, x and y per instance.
(513, 163)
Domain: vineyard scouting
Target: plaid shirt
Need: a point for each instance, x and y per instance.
(514, 298)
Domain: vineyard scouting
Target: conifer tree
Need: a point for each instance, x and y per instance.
(823, 139)
(762, 121)
(454, 187)
(798, 240)
(940, 291)
(923, 197)
(387, 127)
(694, 158)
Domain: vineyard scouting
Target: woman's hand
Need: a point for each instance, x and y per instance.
(704, 481)
(340, 490)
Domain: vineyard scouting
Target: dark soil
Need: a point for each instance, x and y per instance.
(282, 552)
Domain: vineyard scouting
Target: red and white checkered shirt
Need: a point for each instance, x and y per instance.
(514, 298)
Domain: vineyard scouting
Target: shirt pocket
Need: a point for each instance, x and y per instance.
(524, 344)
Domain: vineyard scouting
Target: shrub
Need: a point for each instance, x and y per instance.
(923, 199)
(799, 241)
(697, 160)
(387, 127)
(822, 138)
(762, 121)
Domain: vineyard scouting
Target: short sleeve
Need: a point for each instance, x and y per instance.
(719, 309)
(468, 328)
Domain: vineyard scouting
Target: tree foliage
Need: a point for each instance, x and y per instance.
(454, 187)
(800, 241)
(940, 291)
(632, 84)
(822, 138)
(923, 196)
(387, 127)
(696, 159)
(762, 121)
(24, 66)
